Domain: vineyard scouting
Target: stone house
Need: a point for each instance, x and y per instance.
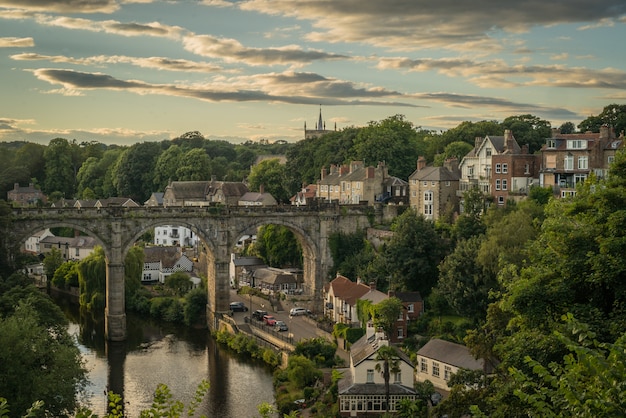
(260, 198)
(203, 193)
(241, 270)
(341, 296)
(155, 200)
(433, 190)
(307, 194)
(361, 390)
(26, 195)
(438, 360)
(272, 280)
(353, 183)
(567, 159)
(75, 248)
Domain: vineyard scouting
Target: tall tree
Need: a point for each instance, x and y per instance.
(59, 168)
(134, 171)
(392, 141)
(388, 362)
(528, 129)
(270, 175)
(194, 165)
(166, 166)
(385, 314)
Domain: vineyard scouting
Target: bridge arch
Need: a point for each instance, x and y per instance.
(118, 228)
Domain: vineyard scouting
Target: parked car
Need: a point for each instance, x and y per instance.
(280, 326)
(238, 307)
(259, 314)
(297, 311)
(269, 320)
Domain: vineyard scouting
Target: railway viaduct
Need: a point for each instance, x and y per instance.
(117, 229)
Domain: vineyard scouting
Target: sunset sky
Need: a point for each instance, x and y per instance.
(126, 71)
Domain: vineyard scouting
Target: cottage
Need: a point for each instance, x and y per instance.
(362, 389)
(26, 195)
(160, 262)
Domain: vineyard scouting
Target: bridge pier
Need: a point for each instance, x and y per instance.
(115, 314)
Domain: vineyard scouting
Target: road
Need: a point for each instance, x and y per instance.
(299, 328)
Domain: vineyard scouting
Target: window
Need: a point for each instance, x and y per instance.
(497, 184)
(526, 168)
(500, 200)
(411, 308)
(447, 183)
(370, 375)
(414, 193)
(498, 168)
(610, 159)
(423, 366)
(579, 177)
(424, 183)
(504, 184)
(432, 183)
(583, 163)
(400, 333)
(428, 196)
(551, 143)
(470, 171)
(397, 378)
(576, 144)
(488, 152)
(505, 168)
(428, 210)
(447, 372)
(568, 162)
(435, 369)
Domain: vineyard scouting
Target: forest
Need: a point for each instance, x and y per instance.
(537, 288)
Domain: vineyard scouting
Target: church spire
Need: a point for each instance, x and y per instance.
(320, 123)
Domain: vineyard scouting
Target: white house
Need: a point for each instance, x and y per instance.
(160, 262)
(362, 387)
(174, 235)
(341, 296)
(32, 243)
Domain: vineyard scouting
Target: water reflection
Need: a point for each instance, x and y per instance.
(160, 353)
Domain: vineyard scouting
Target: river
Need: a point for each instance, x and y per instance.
(176, 356)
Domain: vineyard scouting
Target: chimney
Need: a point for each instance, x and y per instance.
(604, 131)
(261, 189)
(509, 141)
(344, 169)
(452, 164)
(421, 163)
(372, 285)
(16, 186)
(477, 141)
(324, 173)
(391, 293)
(555, 132)
(370, 173)
(370, 330)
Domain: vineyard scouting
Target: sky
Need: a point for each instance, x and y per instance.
(128, 71)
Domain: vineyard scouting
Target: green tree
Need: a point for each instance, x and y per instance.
(59, 168)
(588, 382)
(456, 149)
(92, 280)
(278, 247)
(387, 362)
(464, 282)
(613, 115)
(39, 363)
(567, 128)
(178, 282)
(528, 129)
(195, 306)
(392, 141)
(134, 171)
(166, 166)
(386, 313)
(194, 165)
(270, 175)
(52, 261)
(66, 275)
(302, 371)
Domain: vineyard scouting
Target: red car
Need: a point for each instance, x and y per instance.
(269, 320)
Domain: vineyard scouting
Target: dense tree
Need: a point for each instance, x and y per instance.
(270, 175)
(92, 280)
(277, 246)
(456, 149)
(385, 314)
(392, 141)
(567, 128)
(60, 174)
(134, 171)
(179, 283)
(31, 156)
(613, 115)
(52, 261)
(528, 129)
(410, 259)
(194, 165)
(66, 275)
(166, 166)
(464, 282)
(39, 360)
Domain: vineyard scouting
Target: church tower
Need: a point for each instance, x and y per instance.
(320, 128)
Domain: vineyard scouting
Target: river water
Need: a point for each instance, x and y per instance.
(176, 356)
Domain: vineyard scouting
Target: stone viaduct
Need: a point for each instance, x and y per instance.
(218, 227)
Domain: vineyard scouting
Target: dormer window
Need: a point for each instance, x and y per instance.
(551, 143)
(576, 144)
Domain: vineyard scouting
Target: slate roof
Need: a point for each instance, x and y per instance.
(434, 174)
(274, 276)
(366, 347)
(228, 188)
(346, 386)
(188, 189)
(248, 261)
(450, 353)
(408, 296)
(168, 256)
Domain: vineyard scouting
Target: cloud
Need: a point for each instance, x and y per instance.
(63, 6)
(498, 73)
(424, 24)
(16, 42)
(232, 51)
(283, 87)
(158, 63)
